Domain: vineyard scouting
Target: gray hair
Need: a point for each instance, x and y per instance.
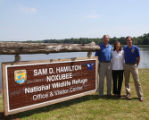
(105, 36)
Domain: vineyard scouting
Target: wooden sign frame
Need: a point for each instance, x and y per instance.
(5, 65)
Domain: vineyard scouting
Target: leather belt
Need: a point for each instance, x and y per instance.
(106, 62)
(130, 63)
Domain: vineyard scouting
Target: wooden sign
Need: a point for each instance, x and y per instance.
(33, 84)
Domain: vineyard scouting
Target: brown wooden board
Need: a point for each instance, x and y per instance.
(33, 84)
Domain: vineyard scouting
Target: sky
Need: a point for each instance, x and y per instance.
(58, 19)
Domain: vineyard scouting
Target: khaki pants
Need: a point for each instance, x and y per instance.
(133, 69)
(104, 71)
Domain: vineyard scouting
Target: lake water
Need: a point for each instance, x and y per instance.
(8, 58)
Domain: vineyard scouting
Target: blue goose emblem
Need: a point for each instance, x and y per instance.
(89, 66)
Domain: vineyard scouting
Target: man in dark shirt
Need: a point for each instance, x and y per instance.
(132, 60)
(104, 56)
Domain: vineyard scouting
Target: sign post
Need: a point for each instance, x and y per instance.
(33, 84)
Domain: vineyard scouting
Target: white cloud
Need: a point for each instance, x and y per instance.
(28, 9)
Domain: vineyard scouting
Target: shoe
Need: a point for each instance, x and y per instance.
(109, 96)
(118, 95)
(100, 96)
(141, 99)
(128, 97)
(115, 95)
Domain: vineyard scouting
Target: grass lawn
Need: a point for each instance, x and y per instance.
(92, 108)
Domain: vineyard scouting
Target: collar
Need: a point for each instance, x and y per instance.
(105, 46)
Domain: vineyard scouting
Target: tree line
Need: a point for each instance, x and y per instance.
(140, 40)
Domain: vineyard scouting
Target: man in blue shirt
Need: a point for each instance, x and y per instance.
(104, 56)
(132, 60)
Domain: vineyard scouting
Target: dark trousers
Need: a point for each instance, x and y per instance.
(117, 81)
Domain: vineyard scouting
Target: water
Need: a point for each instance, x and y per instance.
(144, 63)
(8, 58)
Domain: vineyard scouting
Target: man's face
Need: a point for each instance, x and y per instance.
(129, 41)
(106, 39)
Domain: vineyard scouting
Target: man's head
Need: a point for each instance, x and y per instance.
(106, 39)
(129, 41)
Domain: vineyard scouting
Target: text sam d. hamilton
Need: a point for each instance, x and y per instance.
(58, 77)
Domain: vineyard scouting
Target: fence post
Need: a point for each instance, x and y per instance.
(89, 54)
(17, 58)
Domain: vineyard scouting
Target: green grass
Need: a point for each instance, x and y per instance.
(92, 108)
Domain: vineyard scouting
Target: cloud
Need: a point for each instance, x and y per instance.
(28, 9)
(93, 15)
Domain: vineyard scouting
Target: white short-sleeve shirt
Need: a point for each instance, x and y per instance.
(117, 60)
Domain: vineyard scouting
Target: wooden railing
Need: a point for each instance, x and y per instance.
(17, 48)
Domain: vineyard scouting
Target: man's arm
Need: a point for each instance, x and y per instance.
(138, 60)
(138, 56)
